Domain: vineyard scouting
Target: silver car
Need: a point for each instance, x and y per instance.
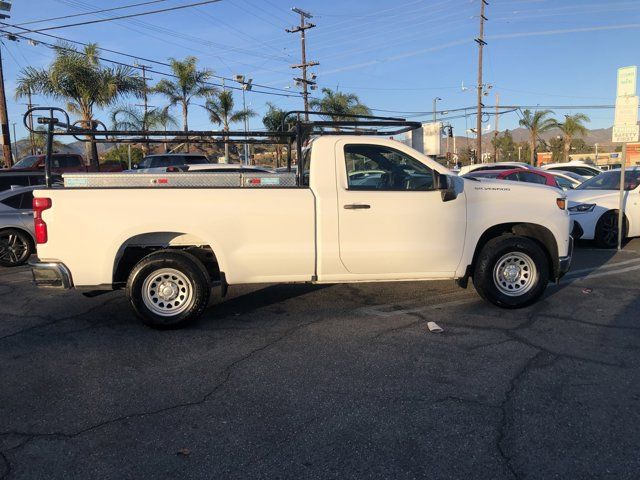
(17, 238)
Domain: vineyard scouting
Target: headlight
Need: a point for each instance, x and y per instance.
(583, 208)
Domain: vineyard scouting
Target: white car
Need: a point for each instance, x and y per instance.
(492, 166)
(17, 236)
(567, 180)
(575, 166)
(159, 163)
(224, 168)
(593, 207)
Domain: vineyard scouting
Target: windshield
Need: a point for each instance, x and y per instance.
(611, 181)
(26, 162)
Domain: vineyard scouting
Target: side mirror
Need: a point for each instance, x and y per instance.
(446, 186)
(441, 182)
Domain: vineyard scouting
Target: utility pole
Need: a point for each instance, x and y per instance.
(30, 105)
(495, 133)
(145, 101)
(304, 65)
(145, 97)
(5, 136)
(481, 43)
(15, 141)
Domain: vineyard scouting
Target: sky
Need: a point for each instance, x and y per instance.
(396, 56)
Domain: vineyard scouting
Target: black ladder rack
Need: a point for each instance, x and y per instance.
(294, 129)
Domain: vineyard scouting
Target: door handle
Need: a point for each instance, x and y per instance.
(356, 206)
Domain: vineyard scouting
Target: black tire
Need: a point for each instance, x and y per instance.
(531, 275)
(185, 285)
(606, 232)
(16, 246)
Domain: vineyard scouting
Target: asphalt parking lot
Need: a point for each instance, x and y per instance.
(341, 381)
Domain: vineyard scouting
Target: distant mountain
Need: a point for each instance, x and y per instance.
(601, 136)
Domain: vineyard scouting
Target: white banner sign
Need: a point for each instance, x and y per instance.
(626, 133)
(626, 111)
(627, 81)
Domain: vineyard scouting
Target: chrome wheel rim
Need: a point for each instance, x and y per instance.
(515, 274)
(13, 248)
(167, 292)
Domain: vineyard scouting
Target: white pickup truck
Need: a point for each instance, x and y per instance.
(366, 210)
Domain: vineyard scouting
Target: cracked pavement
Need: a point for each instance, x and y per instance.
(339, 381)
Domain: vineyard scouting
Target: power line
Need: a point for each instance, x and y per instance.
(52, 46)
(91, 13)
(121, 17)
(168, 32)
(135, 57)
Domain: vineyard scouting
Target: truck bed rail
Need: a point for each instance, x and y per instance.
(180, 180)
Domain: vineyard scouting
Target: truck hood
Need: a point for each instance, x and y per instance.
(492, 184)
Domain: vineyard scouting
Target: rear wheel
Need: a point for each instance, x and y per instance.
(606, 233)
(168, 289)
(511, 271)
(16, 247)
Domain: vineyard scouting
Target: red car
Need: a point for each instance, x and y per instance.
(60, 163)
(519, 175)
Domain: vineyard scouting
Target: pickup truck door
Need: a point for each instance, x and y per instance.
(392, 222)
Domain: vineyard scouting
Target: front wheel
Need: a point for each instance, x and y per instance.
(606, 233)
(511, 271)
(168, 289)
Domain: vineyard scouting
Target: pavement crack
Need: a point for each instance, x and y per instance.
(505, 408)
(226, 375)
(58, 320)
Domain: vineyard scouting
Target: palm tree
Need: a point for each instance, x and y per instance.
(537, 123)
(189, 83)
(79, 78)
(272, 120)
(573, 125)
(128, 117)
(338, 104)
(220, 109)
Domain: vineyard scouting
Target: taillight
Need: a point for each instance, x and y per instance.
(39, 206)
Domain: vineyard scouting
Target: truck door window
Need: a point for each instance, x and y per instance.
(376, 167)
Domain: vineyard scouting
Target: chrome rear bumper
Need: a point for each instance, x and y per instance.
(50, 274)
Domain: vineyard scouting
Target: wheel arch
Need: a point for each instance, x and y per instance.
(22, 229)
(538, 233)
(136, 247)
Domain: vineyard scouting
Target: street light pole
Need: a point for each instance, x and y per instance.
(435, 102)
(246, 146)
(246, 85)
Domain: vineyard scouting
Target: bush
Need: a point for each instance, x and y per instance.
(120, 154)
